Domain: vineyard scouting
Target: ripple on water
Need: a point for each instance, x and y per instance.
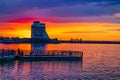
(100, 62)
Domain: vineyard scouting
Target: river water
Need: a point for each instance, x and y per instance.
(100, 62)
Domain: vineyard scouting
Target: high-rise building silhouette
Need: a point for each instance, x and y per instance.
(38, 30)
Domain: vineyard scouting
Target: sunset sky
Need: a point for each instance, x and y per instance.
(65, 19)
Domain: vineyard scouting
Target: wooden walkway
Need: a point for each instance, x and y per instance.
(51, 55)
(40, 55)
(7, 55)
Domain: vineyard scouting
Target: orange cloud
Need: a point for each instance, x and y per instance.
(85, 30)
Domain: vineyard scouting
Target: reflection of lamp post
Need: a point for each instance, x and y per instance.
(38, 46)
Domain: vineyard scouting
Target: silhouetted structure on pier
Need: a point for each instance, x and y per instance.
(38, 30)
(38, 35)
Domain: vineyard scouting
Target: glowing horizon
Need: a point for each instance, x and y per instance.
(64, 19)
(66, 31)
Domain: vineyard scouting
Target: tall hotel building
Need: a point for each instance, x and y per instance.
(38, 30)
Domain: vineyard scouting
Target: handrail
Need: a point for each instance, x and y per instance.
(40, 52)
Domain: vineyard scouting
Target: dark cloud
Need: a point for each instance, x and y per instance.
(84, 10)
(114, 30)
(114, 25)
(77, 32)
(59, 8)
(21, 5)
(98, 31)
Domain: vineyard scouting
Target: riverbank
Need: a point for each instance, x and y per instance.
(57, 42)
(90, 42)
(54, 41)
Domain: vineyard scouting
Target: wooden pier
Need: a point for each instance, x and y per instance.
(43, 55)
(51, 55)
(7, 55)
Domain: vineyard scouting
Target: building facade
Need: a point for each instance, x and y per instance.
(38, 30)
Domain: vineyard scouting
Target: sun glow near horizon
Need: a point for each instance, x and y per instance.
(65, 31)
(64, 19)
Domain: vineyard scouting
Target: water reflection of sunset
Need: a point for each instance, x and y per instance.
(97, 58)
(16, 46)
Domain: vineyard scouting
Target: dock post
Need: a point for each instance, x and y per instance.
(18, 52)
(2, 53)
(31, 53)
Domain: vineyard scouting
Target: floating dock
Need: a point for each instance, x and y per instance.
(7, 55)
(48, 58)
(42, 55)
(51, 55)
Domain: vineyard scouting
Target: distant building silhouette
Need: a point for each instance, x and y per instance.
(38, 30)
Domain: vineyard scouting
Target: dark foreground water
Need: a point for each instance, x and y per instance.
(100, 62)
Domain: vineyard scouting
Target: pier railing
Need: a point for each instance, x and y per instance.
(52, 52)
(7, 53)
(40, 53)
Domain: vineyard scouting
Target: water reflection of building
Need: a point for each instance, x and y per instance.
(38, 30)
(38, 46)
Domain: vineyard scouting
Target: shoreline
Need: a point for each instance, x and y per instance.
(83, 42)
